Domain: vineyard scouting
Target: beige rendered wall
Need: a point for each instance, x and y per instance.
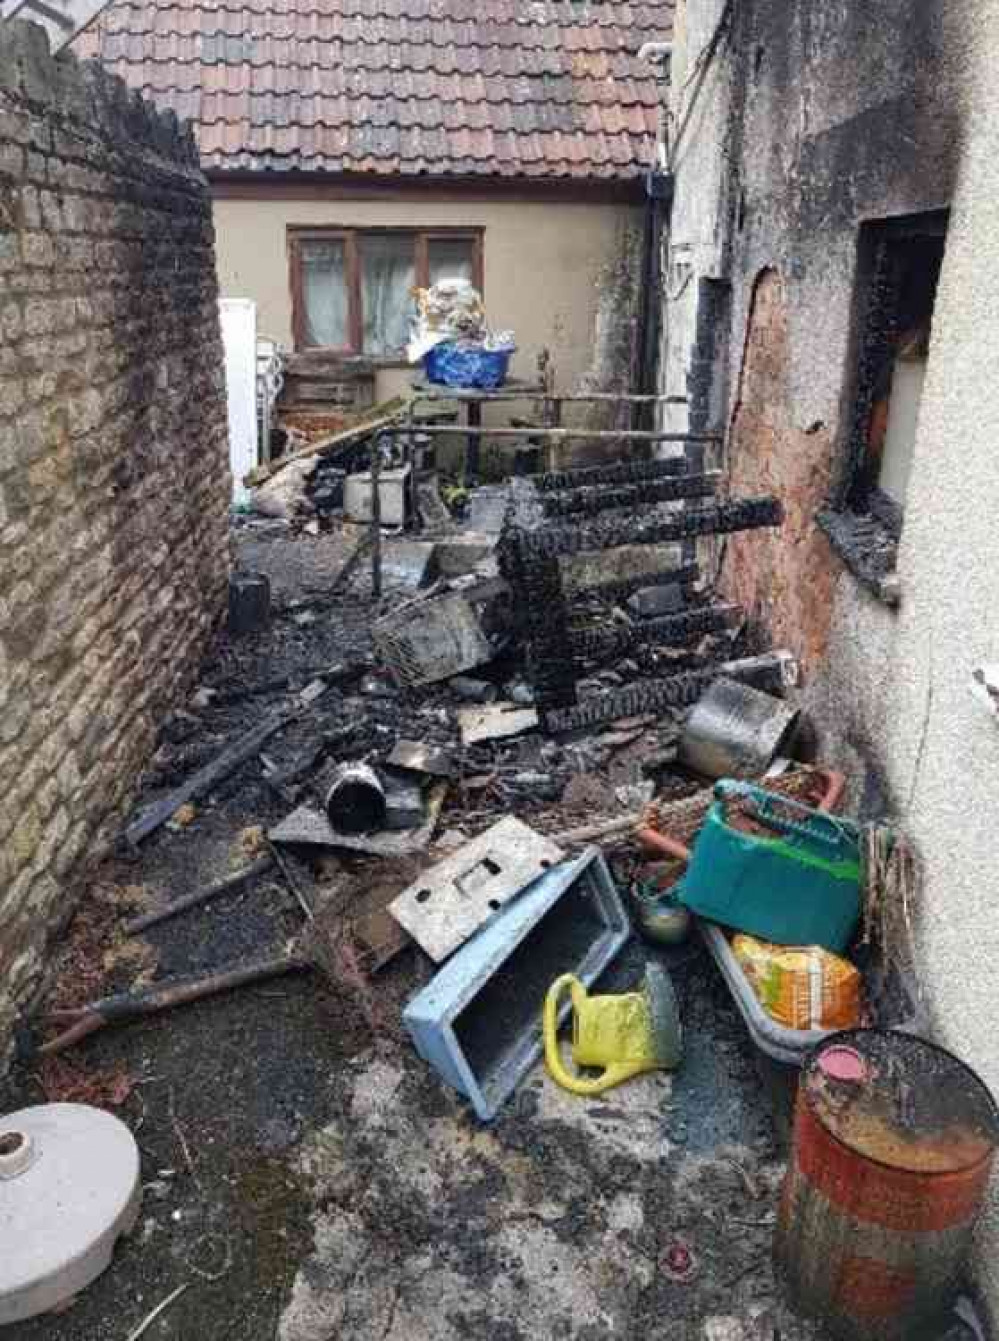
(896, 698)
(549, 265)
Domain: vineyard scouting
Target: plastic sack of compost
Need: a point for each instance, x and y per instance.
(802, 987)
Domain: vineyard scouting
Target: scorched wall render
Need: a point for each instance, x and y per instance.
(113, 467)
(823, 119)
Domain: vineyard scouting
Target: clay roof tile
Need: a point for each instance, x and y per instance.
(528, 88)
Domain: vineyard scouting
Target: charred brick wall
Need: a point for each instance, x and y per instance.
(783, 579)
(113, 467)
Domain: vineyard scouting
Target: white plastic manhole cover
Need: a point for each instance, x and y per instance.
(69, 1185)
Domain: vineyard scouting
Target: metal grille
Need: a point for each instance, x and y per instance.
(431, 640)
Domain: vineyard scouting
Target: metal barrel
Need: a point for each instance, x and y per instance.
(894, 1140)
(734, 731)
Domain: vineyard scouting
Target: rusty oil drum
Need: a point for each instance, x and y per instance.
(894, 1140)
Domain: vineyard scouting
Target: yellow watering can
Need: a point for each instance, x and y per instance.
(620, 1035)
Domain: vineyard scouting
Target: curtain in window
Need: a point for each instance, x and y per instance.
(450, 258)
(387, 276)
(324, 293)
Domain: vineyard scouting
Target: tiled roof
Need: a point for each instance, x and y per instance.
(514, 88)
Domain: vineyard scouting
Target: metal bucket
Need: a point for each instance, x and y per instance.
(355, 801)
(894, 1141)
(735, 731)
(654, 909)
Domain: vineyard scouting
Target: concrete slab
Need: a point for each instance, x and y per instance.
(549, 1224)
(447, 903)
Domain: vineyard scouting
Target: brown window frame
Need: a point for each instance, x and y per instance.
(422, 237)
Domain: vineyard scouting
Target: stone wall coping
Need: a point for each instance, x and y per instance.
(84, 93)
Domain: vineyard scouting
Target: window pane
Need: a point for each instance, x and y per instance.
(324, 293)
(387, 278)
(451, 258)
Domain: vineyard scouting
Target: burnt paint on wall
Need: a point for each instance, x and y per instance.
(848, 117)
(783, 578)
(841, 112)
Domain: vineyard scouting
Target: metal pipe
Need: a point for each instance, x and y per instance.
(538, 393)
(355, 801)
(376, 519)
(554, 434)
(229, 884)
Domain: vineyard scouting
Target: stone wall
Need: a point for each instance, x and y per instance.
(113, 467)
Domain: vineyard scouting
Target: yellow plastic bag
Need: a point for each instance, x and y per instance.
(803, 987)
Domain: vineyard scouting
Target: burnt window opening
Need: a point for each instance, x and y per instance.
(899, 263)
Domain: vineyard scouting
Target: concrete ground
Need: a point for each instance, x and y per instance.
(308, 1178)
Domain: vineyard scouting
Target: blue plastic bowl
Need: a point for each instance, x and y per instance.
(449, 364)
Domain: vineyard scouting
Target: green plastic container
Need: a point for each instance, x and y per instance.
(797, 884)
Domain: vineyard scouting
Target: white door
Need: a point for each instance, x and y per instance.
(239, 339)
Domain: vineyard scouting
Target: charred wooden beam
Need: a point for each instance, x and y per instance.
(599, 498)
(746, 514)
(623, 472)
(664, 629)
(546, 621)
(768, 672)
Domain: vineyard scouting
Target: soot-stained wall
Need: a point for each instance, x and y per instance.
(842, 112)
